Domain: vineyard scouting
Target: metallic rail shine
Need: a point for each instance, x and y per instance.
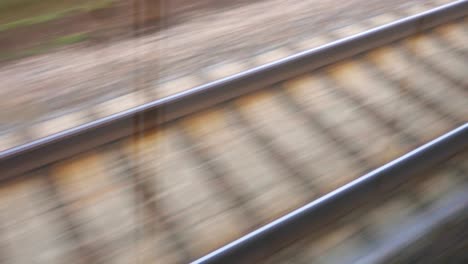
(33, 155)
(270, 238)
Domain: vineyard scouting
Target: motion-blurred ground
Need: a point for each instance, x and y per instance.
(60, 56)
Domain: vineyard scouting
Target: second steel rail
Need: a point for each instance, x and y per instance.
(266, 240)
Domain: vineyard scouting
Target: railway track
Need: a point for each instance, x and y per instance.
(30, 122)
(415, 223)
(397, 197)
(180, 177)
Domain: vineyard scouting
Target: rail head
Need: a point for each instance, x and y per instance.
(270, 238)
(27, 157)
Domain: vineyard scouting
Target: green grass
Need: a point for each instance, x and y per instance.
(33, 20)
(96, 5)
(70, 39)
(46, 47)
(30, 12)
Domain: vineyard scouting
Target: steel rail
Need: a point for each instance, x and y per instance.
(280, 233)
(33, 155)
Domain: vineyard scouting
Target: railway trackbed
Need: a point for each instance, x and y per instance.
(180, 177)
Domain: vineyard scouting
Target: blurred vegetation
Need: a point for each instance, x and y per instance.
(21, 14)
(45, 47)
(18, 13)
(30, 27)
(70, 39)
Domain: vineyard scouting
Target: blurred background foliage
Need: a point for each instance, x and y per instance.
(29, 27)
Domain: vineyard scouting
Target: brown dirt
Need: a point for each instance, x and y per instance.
(81, 75)
(108, 24)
